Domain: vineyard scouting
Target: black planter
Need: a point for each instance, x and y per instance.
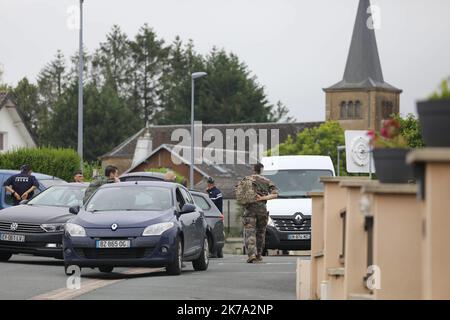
(391, 166)
(434, 117)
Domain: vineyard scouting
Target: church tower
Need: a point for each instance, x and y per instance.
(362, 99)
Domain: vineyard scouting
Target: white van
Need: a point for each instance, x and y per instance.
(289, 226)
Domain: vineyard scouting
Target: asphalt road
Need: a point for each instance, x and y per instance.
(27, 277)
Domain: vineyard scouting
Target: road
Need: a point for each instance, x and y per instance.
(27, 277)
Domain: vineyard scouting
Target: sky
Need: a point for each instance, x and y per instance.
(294, 47)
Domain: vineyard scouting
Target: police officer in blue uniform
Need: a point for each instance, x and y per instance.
(22, 185)
(215, 194)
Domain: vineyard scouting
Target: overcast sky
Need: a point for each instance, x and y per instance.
(294, 47)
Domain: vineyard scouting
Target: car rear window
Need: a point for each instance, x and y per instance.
(201, 202)
(136, 198)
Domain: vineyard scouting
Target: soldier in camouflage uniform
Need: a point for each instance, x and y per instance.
(111, 176)
(256, 216)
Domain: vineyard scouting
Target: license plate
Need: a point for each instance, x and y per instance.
(299, 236)
(112, 244)
(12, 237)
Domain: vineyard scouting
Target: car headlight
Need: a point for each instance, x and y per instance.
(53, 227)
(75, 230)
(270, 222)
(157, 229)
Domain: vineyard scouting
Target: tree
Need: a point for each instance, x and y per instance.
(149, 57)
(52, 78)
(112, 62)
(117, 121)
(230, 93)
(322, 140)
(26, 95)
(101, 106)
(175, 95)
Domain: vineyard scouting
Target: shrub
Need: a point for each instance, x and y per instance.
(58, 162)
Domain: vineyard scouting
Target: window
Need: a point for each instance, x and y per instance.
(343, 110)
(358, 113)
(2, 141)
(350, 110)
(201, 202)
(187, 196)
(387, 109)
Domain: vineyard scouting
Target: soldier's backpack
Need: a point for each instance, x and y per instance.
(246, 191)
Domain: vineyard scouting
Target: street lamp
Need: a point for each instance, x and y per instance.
(195, 75)
(80, 90)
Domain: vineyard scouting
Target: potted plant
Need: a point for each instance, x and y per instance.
(390, 148)
(434, 117)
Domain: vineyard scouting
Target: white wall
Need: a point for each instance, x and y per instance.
(13, 138)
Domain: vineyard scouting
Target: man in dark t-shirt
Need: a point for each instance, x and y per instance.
(22, 185)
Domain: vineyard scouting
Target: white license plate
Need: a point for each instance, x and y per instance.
(113, 244)
(299, 236)
(12, 237)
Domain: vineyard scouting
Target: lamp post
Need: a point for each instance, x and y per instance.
(339, 149)
(80, 90)
(194, 76)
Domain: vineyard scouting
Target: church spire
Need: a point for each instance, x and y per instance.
(363, 68)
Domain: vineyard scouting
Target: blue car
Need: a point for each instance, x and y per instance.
(137, 224)
(44, 180)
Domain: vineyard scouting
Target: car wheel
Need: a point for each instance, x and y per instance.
(106, 269)
(5, 256)
(220, 253)
(174, 269)
(201, 264)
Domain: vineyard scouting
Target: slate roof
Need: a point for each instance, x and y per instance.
(363, 69)
(162, 134)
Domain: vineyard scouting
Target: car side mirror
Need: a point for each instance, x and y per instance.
(188, 208)
(74, 209)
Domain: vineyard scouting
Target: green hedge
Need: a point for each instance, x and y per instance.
(58, 162)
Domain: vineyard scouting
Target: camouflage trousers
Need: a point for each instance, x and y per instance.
(255, 222)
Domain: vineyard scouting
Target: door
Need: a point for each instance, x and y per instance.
(186, 224)
(197, 220)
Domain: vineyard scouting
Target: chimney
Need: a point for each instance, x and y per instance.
(144, 147)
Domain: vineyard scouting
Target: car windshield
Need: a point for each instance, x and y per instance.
(60, 196)
(297, 183)
(136, 198)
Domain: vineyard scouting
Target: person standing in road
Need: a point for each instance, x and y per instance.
(215, 194)
(256, 216)
(111, 176)
(78, 176)
(22, 185)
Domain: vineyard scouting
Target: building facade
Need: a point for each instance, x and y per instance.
(13, 131)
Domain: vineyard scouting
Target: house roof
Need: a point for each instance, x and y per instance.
(161, 134)
(226, 176)
(363, 69)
